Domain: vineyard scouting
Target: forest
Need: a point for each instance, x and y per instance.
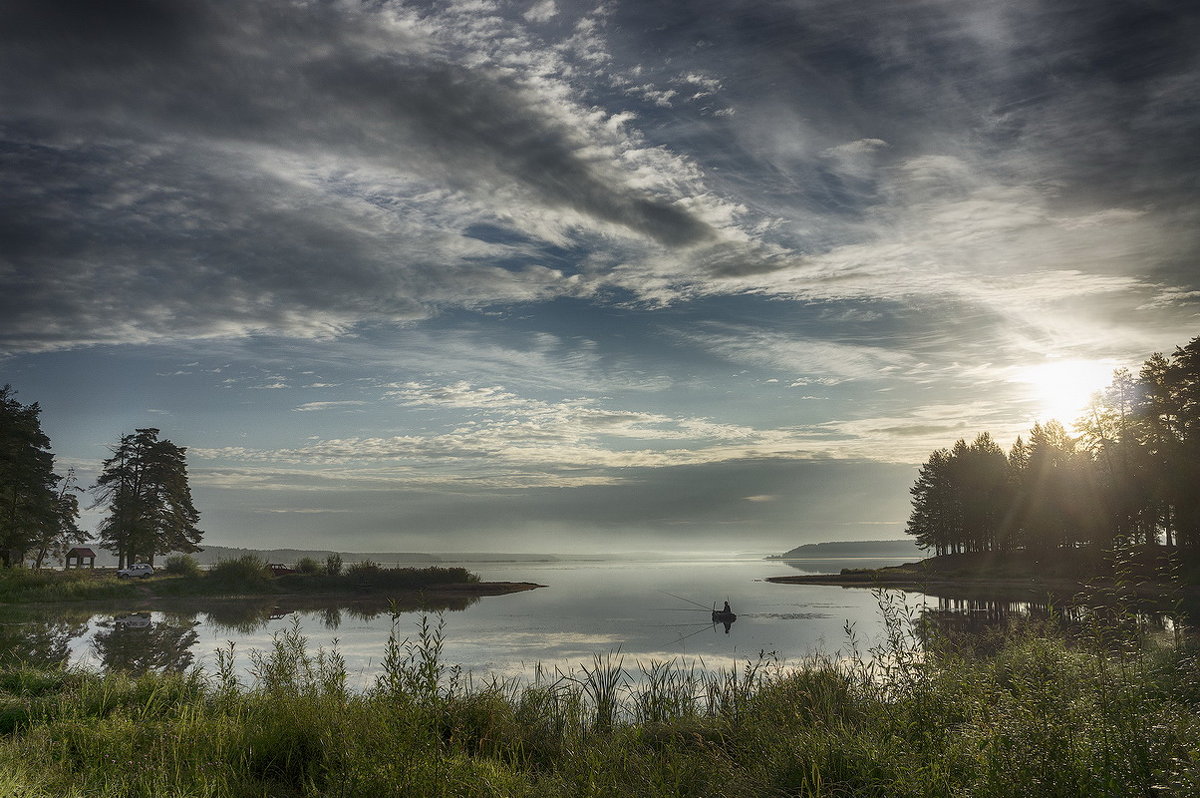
(1129, 477)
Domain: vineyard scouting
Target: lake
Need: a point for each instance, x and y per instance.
(640, 611)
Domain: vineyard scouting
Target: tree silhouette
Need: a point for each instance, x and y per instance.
(30, 505)
(145, 487)
(1132, 476)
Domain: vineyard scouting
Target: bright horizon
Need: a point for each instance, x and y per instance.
(558, 276)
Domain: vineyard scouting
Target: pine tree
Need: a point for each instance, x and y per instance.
(28, 501)
(936, 519)
(144, 486)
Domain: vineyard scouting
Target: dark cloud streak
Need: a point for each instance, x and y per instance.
(147, 148)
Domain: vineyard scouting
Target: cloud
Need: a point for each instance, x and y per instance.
(701, 506)
(308, 407)
(541, 11)
(249, 163)
(189, 171)
(805, 361)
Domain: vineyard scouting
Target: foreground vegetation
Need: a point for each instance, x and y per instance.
(246, 575)
(1024, 713)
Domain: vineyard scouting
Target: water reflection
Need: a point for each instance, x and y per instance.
(246, 616)
(165, 640)
(139, 643)
(42, 644)
(587, 608)
(981, 625)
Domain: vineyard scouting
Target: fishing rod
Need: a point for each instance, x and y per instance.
(689, 601)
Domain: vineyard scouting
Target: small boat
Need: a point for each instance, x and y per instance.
(724, 615)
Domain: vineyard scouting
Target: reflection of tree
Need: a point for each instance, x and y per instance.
(241, 616)
(983, 625)
(331, 617)
(39, 643)
(245, 616)
(161, 646)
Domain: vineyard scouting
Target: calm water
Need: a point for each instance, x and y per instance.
(642, 611)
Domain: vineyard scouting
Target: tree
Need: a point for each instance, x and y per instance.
(936, 519)
(982, 480)
(1123, 463)
(1012, 533)
(144, 486)
(28, 500)
(57, 537)
(1169, 426)
(1062, 500)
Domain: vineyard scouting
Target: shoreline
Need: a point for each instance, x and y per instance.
(1013, 575)
(998, 588)
(140, 596)
(953, 587)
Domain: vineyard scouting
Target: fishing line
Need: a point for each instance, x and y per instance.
(689, 601)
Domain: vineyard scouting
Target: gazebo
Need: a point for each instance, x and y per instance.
(78, 555)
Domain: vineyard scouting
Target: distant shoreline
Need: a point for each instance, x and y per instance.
(438, 585)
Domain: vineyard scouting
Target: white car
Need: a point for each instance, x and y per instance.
(140, 570)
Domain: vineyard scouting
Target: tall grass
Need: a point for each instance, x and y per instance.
(1039, 716)
(24, 585)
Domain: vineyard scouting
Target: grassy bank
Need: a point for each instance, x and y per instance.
(19, 585)
(1033, 716)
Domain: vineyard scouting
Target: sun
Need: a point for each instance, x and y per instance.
(1062, 389)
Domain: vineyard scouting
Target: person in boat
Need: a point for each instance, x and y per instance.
(725, 610)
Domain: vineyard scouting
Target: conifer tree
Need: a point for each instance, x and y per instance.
(28, 501)
(144, 486)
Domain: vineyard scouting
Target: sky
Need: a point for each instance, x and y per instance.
(555, 276)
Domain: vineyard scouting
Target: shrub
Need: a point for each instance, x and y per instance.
(333, 564)
(246, 570)
(364, 568)
(308, 565)
(183, 565)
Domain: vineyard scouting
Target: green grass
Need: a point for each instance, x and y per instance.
(26, 585)
(1038, 717)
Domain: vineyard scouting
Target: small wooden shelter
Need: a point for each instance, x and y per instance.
(77, 555)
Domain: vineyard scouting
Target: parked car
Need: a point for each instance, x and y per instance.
(279, 569)
(140, 570)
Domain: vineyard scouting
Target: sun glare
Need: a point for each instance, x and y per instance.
(1062, 389)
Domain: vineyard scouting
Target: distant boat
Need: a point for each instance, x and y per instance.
(721, 616)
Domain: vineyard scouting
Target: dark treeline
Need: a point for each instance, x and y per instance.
(1131, 476)
(38, 507)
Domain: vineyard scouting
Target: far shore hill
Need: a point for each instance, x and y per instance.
(850, 549)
